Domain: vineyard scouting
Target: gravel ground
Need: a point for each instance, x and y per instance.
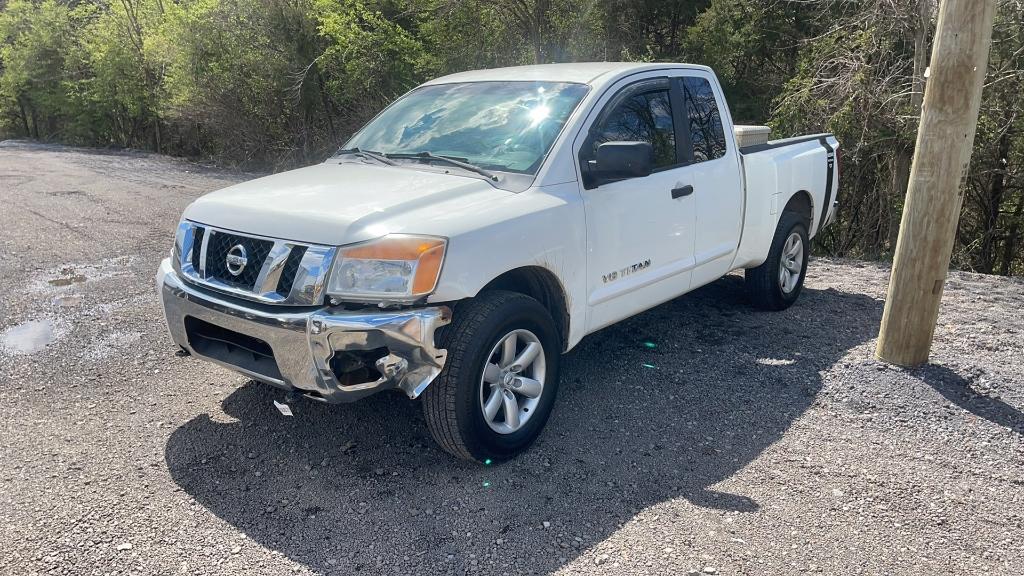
(743, 442)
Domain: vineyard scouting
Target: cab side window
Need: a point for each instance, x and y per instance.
(702, 119)
(641, 117)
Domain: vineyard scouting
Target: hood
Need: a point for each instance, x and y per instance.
(341, 202)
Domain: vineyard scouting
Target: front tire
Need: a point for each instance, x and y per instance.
(776, 284)
(498, 386)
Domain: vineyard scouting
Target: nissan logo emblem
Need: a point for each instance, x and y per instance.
(236, 259)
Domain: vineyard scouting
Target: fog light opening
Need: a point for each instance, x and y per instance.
(354, 367)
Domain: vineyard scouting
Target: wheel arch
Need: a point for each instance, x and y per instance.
(802, 203)
(542, 285)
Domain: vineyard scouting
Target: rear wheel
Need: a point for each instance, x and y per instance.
(498, 386)
(777, 283)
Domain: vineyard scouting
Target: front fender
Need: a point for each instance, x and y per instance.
(545, 227)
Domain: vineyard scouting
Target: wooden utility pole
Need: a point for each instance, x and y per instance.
(945, 139)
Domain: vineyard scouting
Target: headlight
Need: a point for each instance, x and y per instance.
(182, 232)
(397, 267)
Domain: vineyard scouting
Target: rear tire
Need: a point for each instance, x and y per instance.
(776, 284)
(498, 386)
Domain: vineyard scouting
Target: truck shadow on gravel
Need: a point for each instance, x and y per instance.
(663, 406)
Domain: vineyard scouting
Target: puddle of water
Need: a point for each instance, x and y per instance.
(67, 280)
(68, 300)
(28, 337)
(68, 275)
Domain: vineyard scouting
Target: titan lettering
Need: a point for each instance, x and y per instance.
(631, 269)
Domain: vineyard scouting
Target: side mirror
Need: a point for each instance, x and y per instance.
(618, 160)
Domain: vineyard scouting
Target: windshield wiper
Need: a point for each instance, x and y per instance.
(367, 154)
(448, 159)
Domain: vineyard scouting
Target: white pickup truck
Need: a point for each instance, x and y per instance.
(479, 227)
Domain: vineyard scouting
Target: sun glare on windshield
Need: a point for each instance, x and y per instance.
(538, 114)
(501, 126)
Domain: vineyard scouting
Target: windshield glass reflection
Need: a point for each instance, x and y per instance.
(506, 126)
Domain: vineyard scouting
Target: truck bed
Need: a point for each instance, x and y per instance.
(773, 173)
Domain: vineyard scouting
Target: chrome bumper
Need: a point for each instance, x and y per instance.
(303, 343)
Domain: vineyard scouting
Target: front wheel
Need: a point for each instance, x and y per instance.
(777, 283)
(498, 385)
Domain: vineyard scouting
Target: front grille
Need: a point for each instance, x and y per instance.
(291, 268)
(296, 272)
(197, 247)
(217, 248)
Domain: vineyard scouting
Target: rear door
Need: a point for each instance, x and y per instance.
(715, 174)
(639, 230)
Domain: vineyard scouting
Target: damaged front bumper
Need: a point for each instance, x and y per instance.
(327, 354)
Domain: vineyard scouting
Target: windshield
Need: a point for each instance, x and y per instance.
(505, 126)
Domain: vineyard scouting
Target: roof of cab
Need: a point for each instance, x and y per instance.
(593, 73)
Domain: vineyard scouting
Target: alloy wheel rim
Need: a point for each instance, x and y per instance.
(512, 381)
(791, 263)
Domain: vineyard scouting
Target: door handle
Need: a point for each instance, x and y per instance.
(680, 192)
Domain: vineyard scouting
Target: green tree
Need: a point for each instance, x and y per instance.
(989, 238)
(753, 47)
(35, 40)
(856, 78)
(372, 54)
(233, 79)
(116, 92)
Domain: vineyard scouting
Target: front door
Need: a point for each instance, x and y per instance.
(640, 231)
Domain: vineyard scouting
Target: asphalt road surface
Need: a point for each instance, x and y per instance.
(701, 436)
